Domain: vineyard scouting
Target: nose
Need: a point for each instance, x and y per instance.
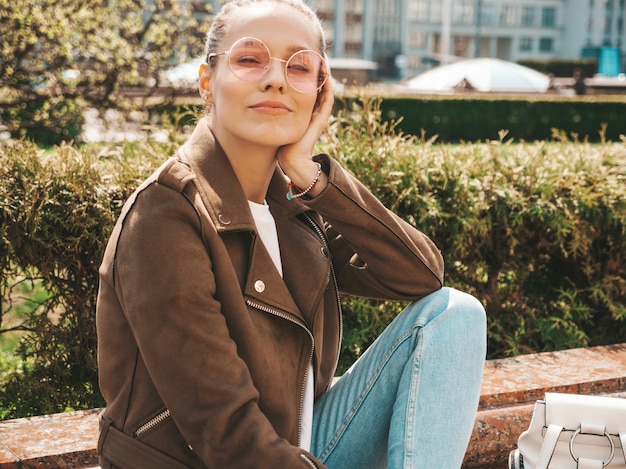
(275, 75)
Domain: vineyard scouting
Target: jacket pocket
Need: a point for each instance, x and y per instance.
(151, 424)
(160, 432)
(120, 450)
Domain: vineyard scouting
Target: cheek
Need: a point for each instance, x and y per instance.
(225, 87)
(226, 95)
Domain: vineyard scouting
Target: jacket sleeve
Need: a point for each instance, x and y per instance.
(376, 254)
(165, 283)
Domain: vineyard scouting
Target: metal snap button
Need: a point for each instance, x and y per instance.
(224, 219)
(259, 286)
(325, 252)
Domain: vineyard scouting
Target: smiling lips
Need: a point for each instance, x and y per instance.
(271, 107)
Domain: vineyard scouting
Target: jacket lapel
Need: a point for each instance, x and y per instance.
(305, 269)
(264, 284)
(306, 262)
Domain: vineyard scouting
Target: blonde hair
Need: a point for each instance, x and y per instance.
(220, 25)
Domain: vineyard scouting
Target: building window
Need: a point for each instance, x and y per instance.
(608, 23)
(415, 64)
(354, 6)
(325, 5)
(507, 15)
(528, 16)
(353, 32)
(435, 12)
(417, 40)
(488, 14)
(418, 10)
(526, 44)
(463, 13)
(548, 17)
(460, 46)
(546, 44)
(620, 23)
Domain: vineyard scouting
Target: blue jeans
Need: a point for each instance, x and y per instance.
(410, 400)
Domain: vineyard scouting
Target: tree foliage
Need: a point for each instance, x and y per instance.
(58, 56)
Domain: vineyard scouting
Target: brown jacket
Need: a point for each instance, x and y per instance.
(203, 346)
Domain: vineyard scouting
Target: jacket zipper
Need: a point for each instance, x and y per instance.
(281, 315)
(308, 461)
(153, 422)
(322, 236)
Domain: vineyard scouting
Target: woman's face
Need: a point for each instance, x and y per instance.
(266, 111)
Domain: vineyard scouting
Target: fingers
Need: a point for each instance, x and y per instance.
(321, 114)
(303, 148)
(325, 102)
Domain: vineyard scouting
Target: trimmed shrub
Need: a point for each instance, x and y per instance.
(562, 67)
(537, 231)
(56, 213)
(475, 118)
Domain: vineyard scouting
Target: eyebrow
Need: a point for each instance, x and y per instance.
(296, 48)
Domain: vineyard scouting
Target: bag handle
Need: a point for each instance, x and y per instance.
(549, 444)
(552, 437)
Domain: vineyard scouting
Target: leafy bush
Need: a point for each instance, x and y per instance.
(537, 231)
(472, 118)
(477, 118)
(562, 67)
(56, 213)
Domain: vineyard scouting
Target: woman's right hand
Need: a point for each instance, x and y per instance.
(295, 159)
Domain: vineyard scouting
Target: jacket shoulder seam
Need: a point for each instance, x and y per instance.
(175, 174)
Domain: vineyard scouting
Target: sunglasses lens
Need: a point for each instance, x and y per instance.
(249, 59)
(306, 71)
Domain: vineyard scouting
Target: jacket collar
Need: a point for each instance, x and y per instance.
(220, 187)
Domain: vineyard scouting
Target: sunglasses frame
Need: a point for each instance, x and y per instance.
(228, 52)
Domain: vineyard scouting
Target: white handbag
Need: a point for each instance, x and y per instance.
(571, 431)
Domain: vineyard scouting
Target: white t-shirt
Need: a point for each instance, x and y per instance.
(266, 227)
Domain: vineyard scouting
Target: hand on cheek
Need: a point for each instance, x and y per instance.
(295, 159)
(303, 148)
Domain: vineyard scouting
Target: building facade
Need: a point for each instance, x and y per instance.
(406, 37)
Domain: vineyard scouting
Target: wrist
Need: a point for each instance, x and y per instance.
(295, 191)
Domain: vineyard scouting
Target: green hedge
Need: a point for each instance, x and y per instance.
(471, 118)
(562, 67)
(57, 210)
(457, 119)
(537, 231)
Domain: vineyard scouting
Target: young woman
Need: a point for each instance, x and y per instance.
(218, 314)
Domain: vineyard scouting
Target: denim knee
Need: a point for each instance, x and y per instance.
(469, 307)
(450, 299)
(452, 309)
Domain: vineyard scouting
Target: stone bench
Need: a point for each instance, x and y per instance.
(510, 388)
(66, 440)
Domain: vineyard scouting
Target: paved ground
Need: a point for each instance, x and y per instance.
(110, 126)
